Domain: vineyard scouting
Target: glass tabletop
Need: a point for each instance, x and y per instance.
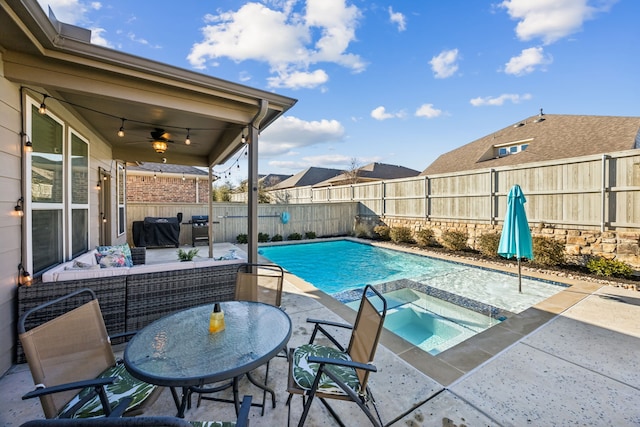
(178, 350)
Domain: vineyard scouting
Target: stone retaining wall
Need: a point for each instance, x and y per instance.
(620, 245)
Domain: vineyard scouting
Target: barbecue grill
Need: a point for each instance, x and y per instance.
(199, 229)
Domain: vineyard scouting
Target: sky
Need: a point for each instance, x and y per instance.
(396, 82)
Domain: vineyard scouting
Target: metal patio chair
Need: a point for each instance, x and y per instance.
(73, 365)
(338, 373)
(243, 421)
(260, 283)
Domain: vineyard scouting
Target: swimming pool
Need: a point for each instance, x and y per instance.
(434, 303)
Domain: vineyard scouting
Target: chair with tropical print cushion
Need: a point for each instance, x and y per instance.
(73, 365)
(144, 421)
(335, 372)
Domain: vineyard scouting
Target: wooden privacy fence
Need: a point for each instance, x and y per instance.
(591, 192)
(230, 219)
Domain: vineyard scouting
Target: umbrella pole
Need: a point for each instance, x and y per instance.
(519, 277)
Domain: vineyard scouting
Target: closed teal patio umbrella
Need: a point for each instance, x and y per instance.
(515, 240)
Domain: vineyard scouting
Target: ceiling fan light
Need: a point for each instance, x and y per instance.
(159, 146)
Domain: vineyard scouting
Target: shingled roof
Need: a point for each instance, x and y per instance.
(309, 176)
(371, 172)
(547, 137)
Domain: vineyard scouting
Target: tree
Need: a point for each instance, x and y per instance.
(353, 172)
(222, 193)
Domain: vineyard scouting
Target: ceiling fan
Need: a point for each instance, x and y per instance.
(159, 140)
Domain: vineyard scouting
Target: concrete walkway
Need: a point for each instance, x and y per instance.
(571, 360)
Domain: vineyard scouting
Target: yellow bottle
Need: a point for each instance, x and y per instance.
(216, 321)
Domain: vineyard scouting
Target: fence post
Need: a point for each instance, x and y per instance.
(603, 191)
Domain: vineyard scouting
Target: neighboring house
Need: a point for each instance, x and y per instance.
(369, 173)
(541, 138)
(309, 176)
(72, 115)
(164, 183)
(268, 181)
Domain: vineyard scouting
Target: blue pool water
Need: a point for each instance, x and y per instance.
(434, 304)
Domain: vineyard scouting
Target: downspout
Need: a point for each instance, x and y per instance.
(252, 181)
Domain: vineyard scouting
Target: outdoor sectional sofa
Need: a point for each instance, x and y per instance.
(132, 297)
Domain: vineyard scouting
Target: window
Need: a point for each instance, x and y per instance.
(58, 187)
(507, 149)
(79, 226)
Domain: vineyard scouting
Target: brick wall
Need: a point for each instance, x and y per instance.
(146, 188)
(621, 245)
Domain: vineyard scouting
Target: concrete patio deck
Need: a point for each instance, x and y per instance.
(571, 360)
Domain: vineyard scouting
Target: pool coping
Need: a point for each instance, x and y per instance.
(452, 364)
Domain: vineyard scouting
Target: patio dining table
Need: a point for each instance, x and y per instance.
(177, 351)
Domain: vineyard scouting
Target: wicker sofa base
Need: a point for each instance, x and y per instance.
(132, 301)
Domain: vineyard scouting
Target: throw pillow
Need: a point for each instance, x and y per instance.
(117, 249)
(113, 259)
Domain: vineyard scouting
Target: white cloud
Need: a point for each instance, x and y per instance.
(299, 79)
(444, 65)
(527, 62)
(380, 113)
(398, 19)
(551, 20)
(290, 133)
(427, 111)
(289, 41)
(500, 100)
(98, 38)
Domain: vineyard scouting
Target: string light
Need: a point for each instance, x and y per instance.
(24, 277)
(43, 106)
(19, 206)
(28, 145)
(121, 131)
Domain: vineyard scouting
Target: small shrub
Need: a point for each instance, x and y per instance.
(310, 235)
(187, 255)
(276, 238)
(488, 244)
(425, 237)
(363, 231)
(242, 238)
(263, 237)
(548, 252)
(454, 240)
(382, 231)
(609, 267)
(401, 235)
(294, 236)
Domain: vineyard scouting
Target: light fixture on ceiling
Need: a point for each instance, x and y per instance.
(243, 139)
(43, 106)
(159, 146)
(121, 130)
(187, 141)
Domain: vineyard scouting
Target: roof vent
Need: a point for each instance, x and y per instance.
(540, 117)
(517, 125)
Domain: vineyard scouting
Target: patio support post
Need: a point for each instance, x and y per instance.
(252, 190)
